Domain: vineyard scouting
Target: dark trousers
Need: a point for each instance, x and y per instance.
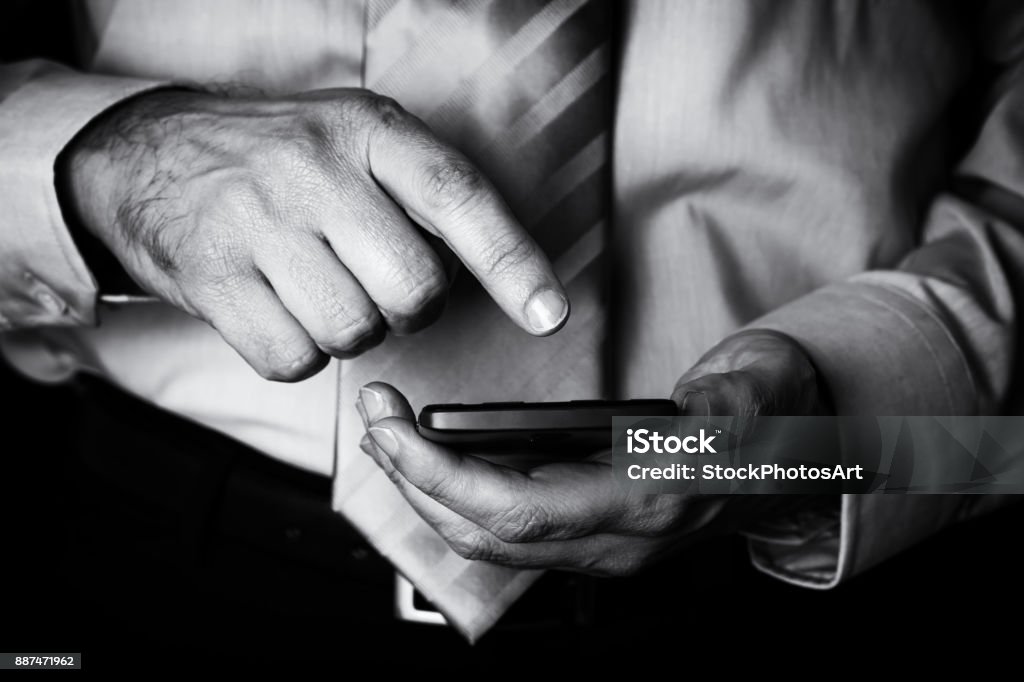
(139, 538)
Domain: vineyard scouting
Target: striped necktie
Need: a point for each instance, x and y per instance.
(524, 90)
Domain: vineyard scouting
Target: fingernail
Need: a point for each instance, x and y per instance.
(546, 311)
(385, 440)
(365, 443)
(373, 403)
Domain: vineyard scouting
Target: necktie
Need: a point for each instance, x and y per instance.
(524, 90)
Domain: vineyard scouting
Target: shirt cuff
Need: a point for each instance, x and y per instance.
(881, 350)
(43, 277)
(822, 547)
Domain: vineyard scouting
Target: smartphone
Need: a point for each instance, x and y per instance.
(575, 427)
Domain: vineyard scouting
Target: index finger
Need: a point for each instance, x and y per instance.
(446, 194)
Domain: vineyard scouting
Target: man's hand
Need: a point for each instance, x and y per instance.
(574, 515)
(299, 227)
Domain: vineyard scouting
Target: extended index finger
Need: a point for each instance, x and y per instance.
(444, 192)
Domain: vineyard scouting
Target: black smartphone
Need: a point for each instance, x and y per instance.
(575, 427)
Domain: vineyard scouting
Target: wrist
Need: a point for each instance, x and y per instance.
(75, 203)
(92, 176)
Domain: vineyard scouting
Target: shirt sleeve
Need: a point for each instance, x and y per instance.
(43, 105)
(935, 336)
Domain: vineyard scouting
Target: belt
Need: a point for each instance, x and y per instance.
(206, 489)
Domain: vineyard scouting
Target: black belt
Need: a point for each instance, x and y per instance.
(205, 491)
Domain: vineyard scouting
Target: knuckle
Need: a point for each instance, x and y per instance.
(327, 132)
(474, 546)
(364, 110)
(341, 323)
(227, 225)
(451, 185)
(221, 270)
(243, 199)
(522, 523)
(280, 364)
(298, 162)
(464, 545)
(286, 358)
(320, 163)
(386, 111)
(319, 128)
(430, 285)
(508, 252)
(436, 485)
(357, 335)
(423, 302)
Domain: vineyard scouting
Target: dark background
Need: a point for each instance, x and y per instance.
(958, 595)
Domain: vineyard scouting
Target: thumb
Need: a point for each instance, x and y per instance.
(730, 394)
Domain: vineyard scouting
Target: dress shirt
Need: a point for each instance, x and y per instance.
(847, 172)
